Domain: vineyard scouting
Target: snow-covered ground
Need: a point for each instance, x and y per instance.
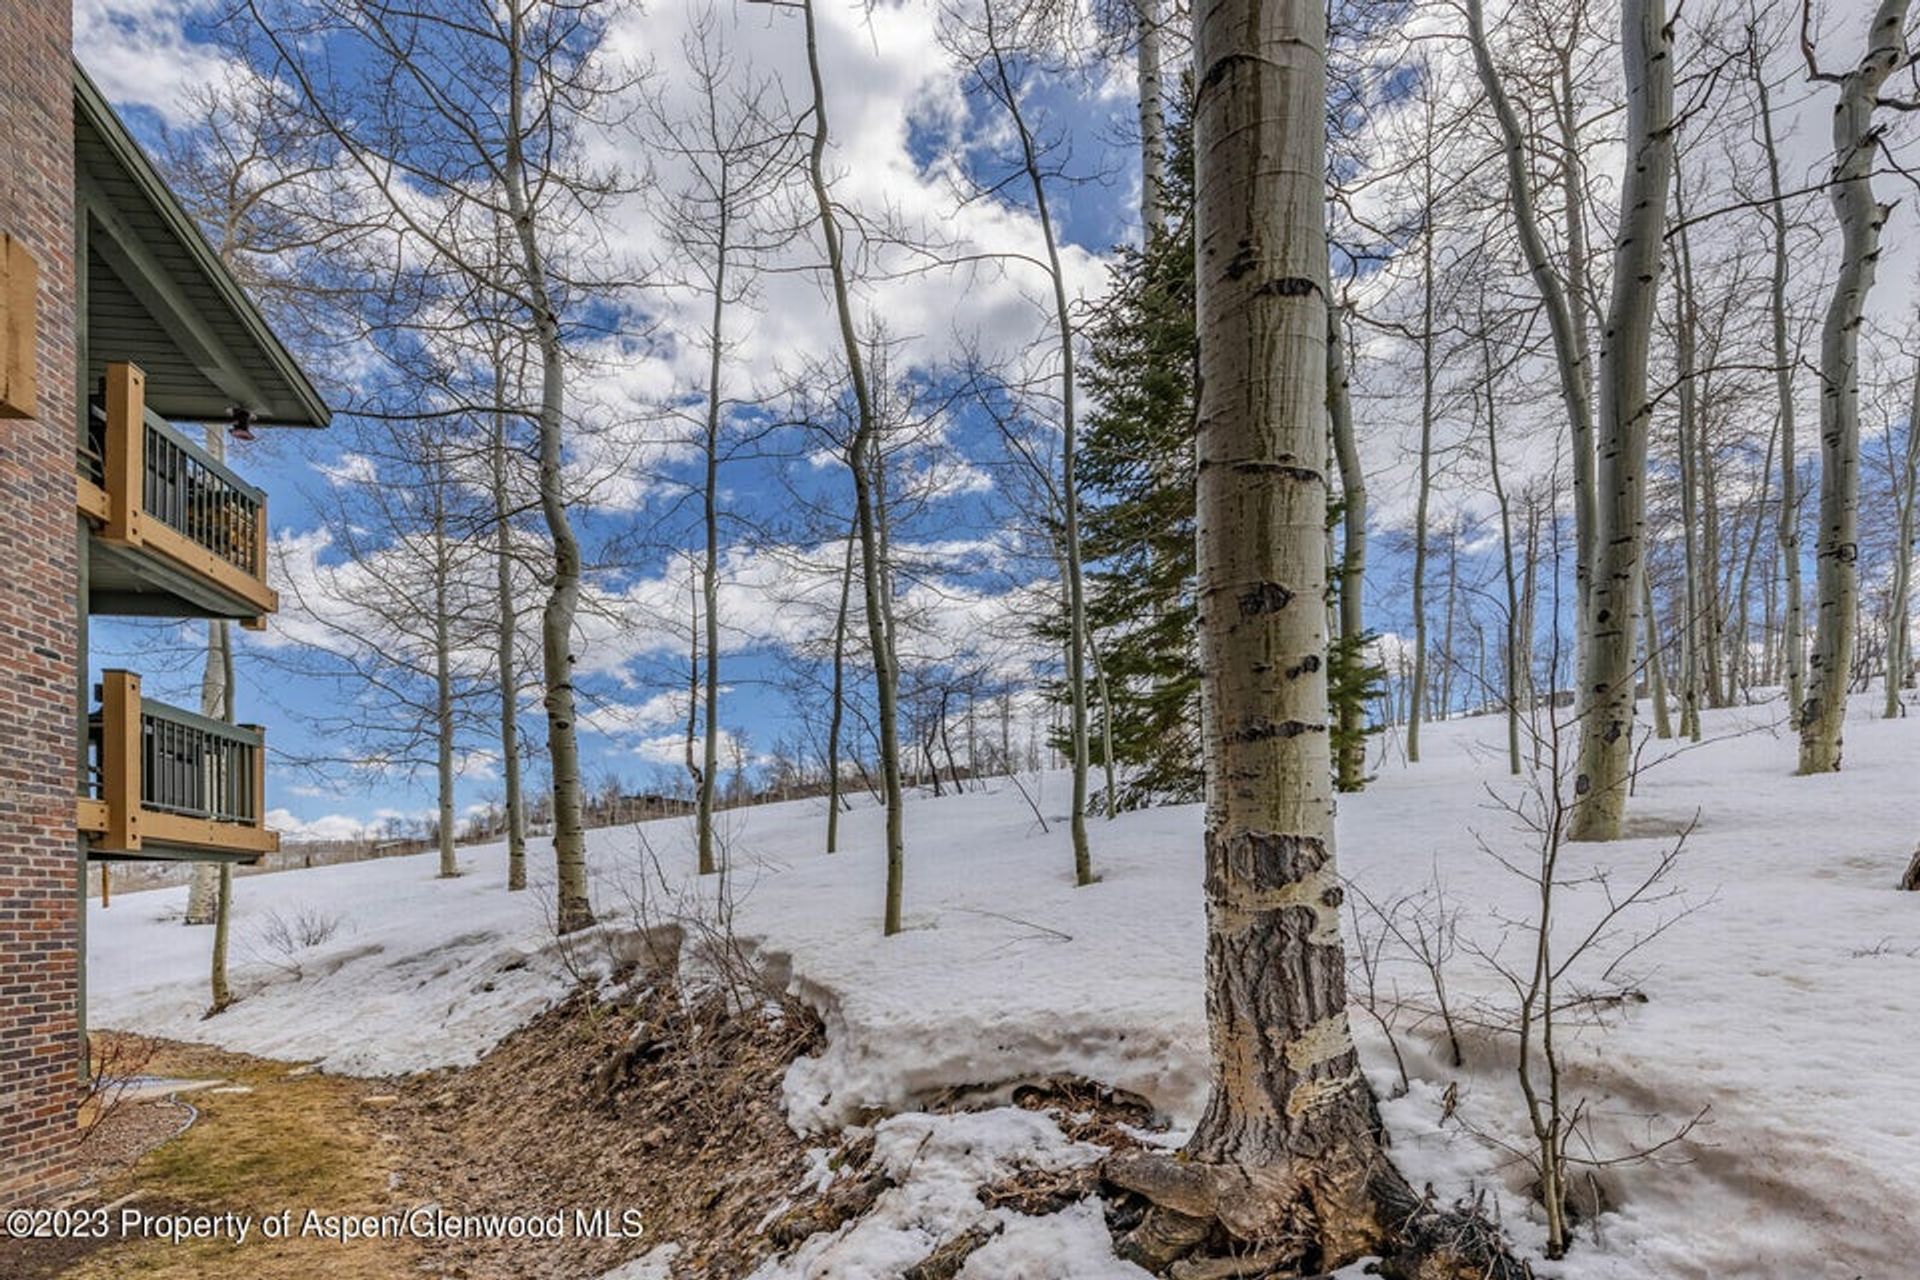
(1781, 975)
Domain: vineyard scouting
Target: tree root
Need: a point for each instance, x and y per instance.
(1220, 1221)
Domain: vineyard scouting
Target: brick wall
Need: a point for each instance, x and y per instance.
(39, 920)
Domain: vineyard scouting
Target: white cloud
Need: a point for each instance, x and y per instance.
(332, 826)
(138, 52)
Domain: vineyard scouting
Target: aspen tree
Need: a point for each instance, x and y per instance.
(1285, 1171)
(1610, 620)
(1860, 216)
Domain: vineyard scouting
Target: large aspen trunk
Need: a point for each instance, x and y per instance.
(573, 908)
(862, 454)
(1286, 1151)
(1855, 138)
(1610, 621)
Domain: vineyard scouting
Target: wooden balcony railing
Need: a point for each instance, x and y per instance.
(151, 489)
(160, 779)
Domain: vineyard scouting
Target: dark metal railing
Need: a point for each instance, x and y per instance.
(189, 490)
(190, 765)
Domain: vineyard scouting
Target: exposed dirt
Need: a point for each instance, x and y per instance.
(670, 1110)
(666, 1108)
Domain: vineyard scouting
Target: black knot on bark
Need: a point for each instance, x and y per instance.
(1288, 287)
(1261, 730)
(1305, 666)
(1246, 257)
(1267, 597)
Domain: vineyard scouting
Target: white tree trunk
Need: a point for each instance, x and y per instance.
(1153, 118)
(1351, 767)
(862, 453)
(710, 564)
(1417, 703)
(1563, 322)
(1688, 453)
(573, 908)
(443, 721)
(1793, 626)
(505, 635)
(1900, 603)
(1830, 665)
(1286, 1142)
(837, 714)
(1075, 583)
(1612, 615)
(1510, 568)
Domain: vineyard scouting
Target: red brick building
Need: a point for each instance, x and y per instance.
(40, 918)
(107, 506)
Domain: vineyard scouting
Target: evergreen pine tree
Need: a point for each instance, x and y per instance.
(1137, 479)
(1137, 472)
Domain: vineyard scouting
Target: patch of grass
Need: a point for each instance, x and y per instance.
(299, 1143)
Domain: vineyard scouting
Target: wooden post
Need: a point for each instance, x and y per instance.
(126, 451)
(258, 623)
(19, 311)
(259, 780)
(120, 759)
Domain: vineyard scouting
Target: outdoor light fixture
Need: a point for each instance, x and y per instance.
(242, 428)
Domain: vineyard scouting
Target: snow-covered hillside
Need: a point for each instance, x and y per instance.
(1781, 980)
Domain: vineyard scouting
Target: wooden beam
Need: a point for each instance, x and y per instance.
(19, 330)
(196, 559)
(90, 815)
(93, 501)
(126, 453)
(120, 759)
(202, 833)
(258, 783)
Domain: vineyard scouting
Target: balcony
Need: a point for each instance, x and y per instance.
(176, 533)
(166, 783)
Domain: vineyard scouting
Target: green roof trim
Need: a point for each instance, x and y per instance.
(291, 399)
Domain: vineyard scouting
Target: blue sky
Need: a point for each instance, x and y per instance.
(903, 123)
(909, 139)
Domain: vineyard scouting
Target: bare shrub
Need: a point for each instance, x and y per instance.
(115, 1063)
(282, 938)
